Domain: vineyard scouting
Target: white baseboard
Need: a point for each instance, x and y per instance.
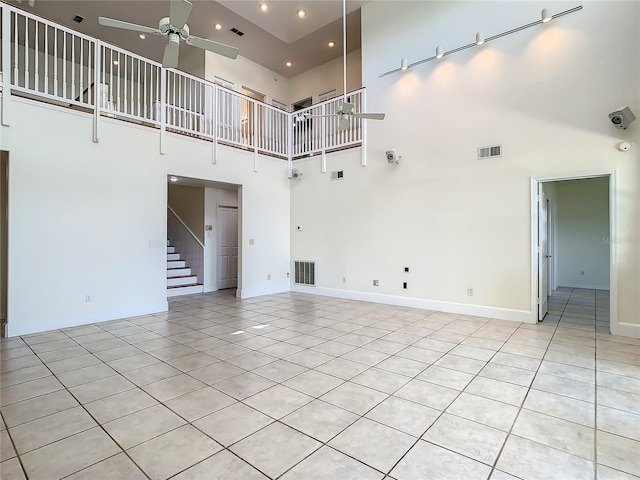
(626, 330)
(259, 292)
(449, 307)
(584, 285)
(15, 329)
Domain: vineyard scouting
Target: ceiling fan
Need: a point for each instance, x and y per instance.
(346, 109)
(175, 28)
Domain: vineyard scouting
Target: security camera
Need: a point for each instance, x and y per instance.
(622, 118)
(296, 175)
(392, 156)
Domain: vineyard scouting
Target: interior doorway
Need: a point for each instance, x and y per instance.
(227, 247)
(572, 218)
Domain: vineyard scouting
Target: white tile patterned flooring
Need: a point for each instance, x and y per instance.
(295, 386)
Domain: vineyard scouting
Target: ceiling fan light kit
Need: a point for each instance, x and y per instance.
(175, 28)
(545, 17)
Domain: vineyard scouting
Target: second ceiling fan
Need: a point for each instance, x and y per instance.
(175, 28)
(346, 111)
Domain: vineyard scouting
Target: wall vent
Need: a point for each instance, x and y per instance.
(337, 175)
(493, 151)
(304, 273)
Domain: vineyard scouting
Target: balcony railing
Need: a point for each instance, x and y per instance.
(48, 62)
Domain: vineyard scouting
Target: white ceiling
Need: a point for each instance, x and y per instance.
(270, 38)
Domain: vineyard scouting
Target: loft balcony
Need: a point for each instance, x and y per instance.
(47, 62)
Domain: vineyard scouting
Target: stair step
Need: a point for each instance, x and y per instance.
(173, 256)
(178, 272)
(183, 280)
(171, 249)
(185, 290)
(176, 264)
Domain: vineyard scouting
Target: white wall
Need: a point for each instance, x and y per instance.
(544, 93)
(89, 218)
(212, 198)
(244, 72)
(327, 77)
(582, 222)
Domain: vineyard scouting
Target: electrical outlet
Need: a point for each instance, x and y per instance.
(376, 283)
(288, 275)
(404, 285)
(406, 269)
(87, 298)
(470, 291)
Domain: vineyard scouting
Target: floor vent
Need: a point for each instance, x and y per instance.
(304, 273)
(494, 151)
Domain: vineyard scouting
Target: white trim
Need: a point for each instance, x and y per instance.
(625, 329)
(585, 286)
(422, 303)
(16, 329)
(244, 293)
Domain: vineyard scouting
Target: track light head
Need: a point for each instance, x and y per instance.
(479, 38)
(547, 16)
(439, 52)
(404, 64)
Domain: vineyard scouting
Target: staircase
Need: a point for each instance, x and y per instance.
(179, 278)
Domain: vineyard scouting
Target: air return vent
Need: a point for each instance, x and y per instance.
(493, 151)
(304, 273)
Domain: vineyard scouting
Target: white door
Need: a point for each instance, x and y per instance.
(543, 254)
(227, 247)
(551, 249)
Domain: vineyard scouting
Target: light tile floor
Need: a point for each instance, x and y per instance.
(295, 386)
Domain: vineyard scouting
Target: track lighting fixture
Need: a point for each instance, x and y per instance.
(546, 17)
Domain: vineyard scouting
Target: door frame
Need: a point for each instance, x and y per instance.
(551, 245)
(614, 327)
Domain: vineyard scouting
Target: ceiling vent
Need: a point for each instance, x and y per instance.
(237, 32)
(493, 151)
(78, 18)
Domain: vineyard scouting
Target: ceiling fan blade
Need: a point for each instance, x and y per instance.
(344, 123)
(170, 58)
(215, 47)
(179, 13)
(370, 116)
(110, 22)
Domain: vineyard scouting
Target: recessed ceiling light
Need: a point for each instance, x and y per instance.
(142, 36)
(301, 13)
(173, 179)
(331, 44)
(289, 64)
(264, 7)
(115, 62)
(217, 26)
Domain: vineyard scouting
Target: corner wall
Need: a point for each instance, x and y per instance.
(456, 221)
(90, 219)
